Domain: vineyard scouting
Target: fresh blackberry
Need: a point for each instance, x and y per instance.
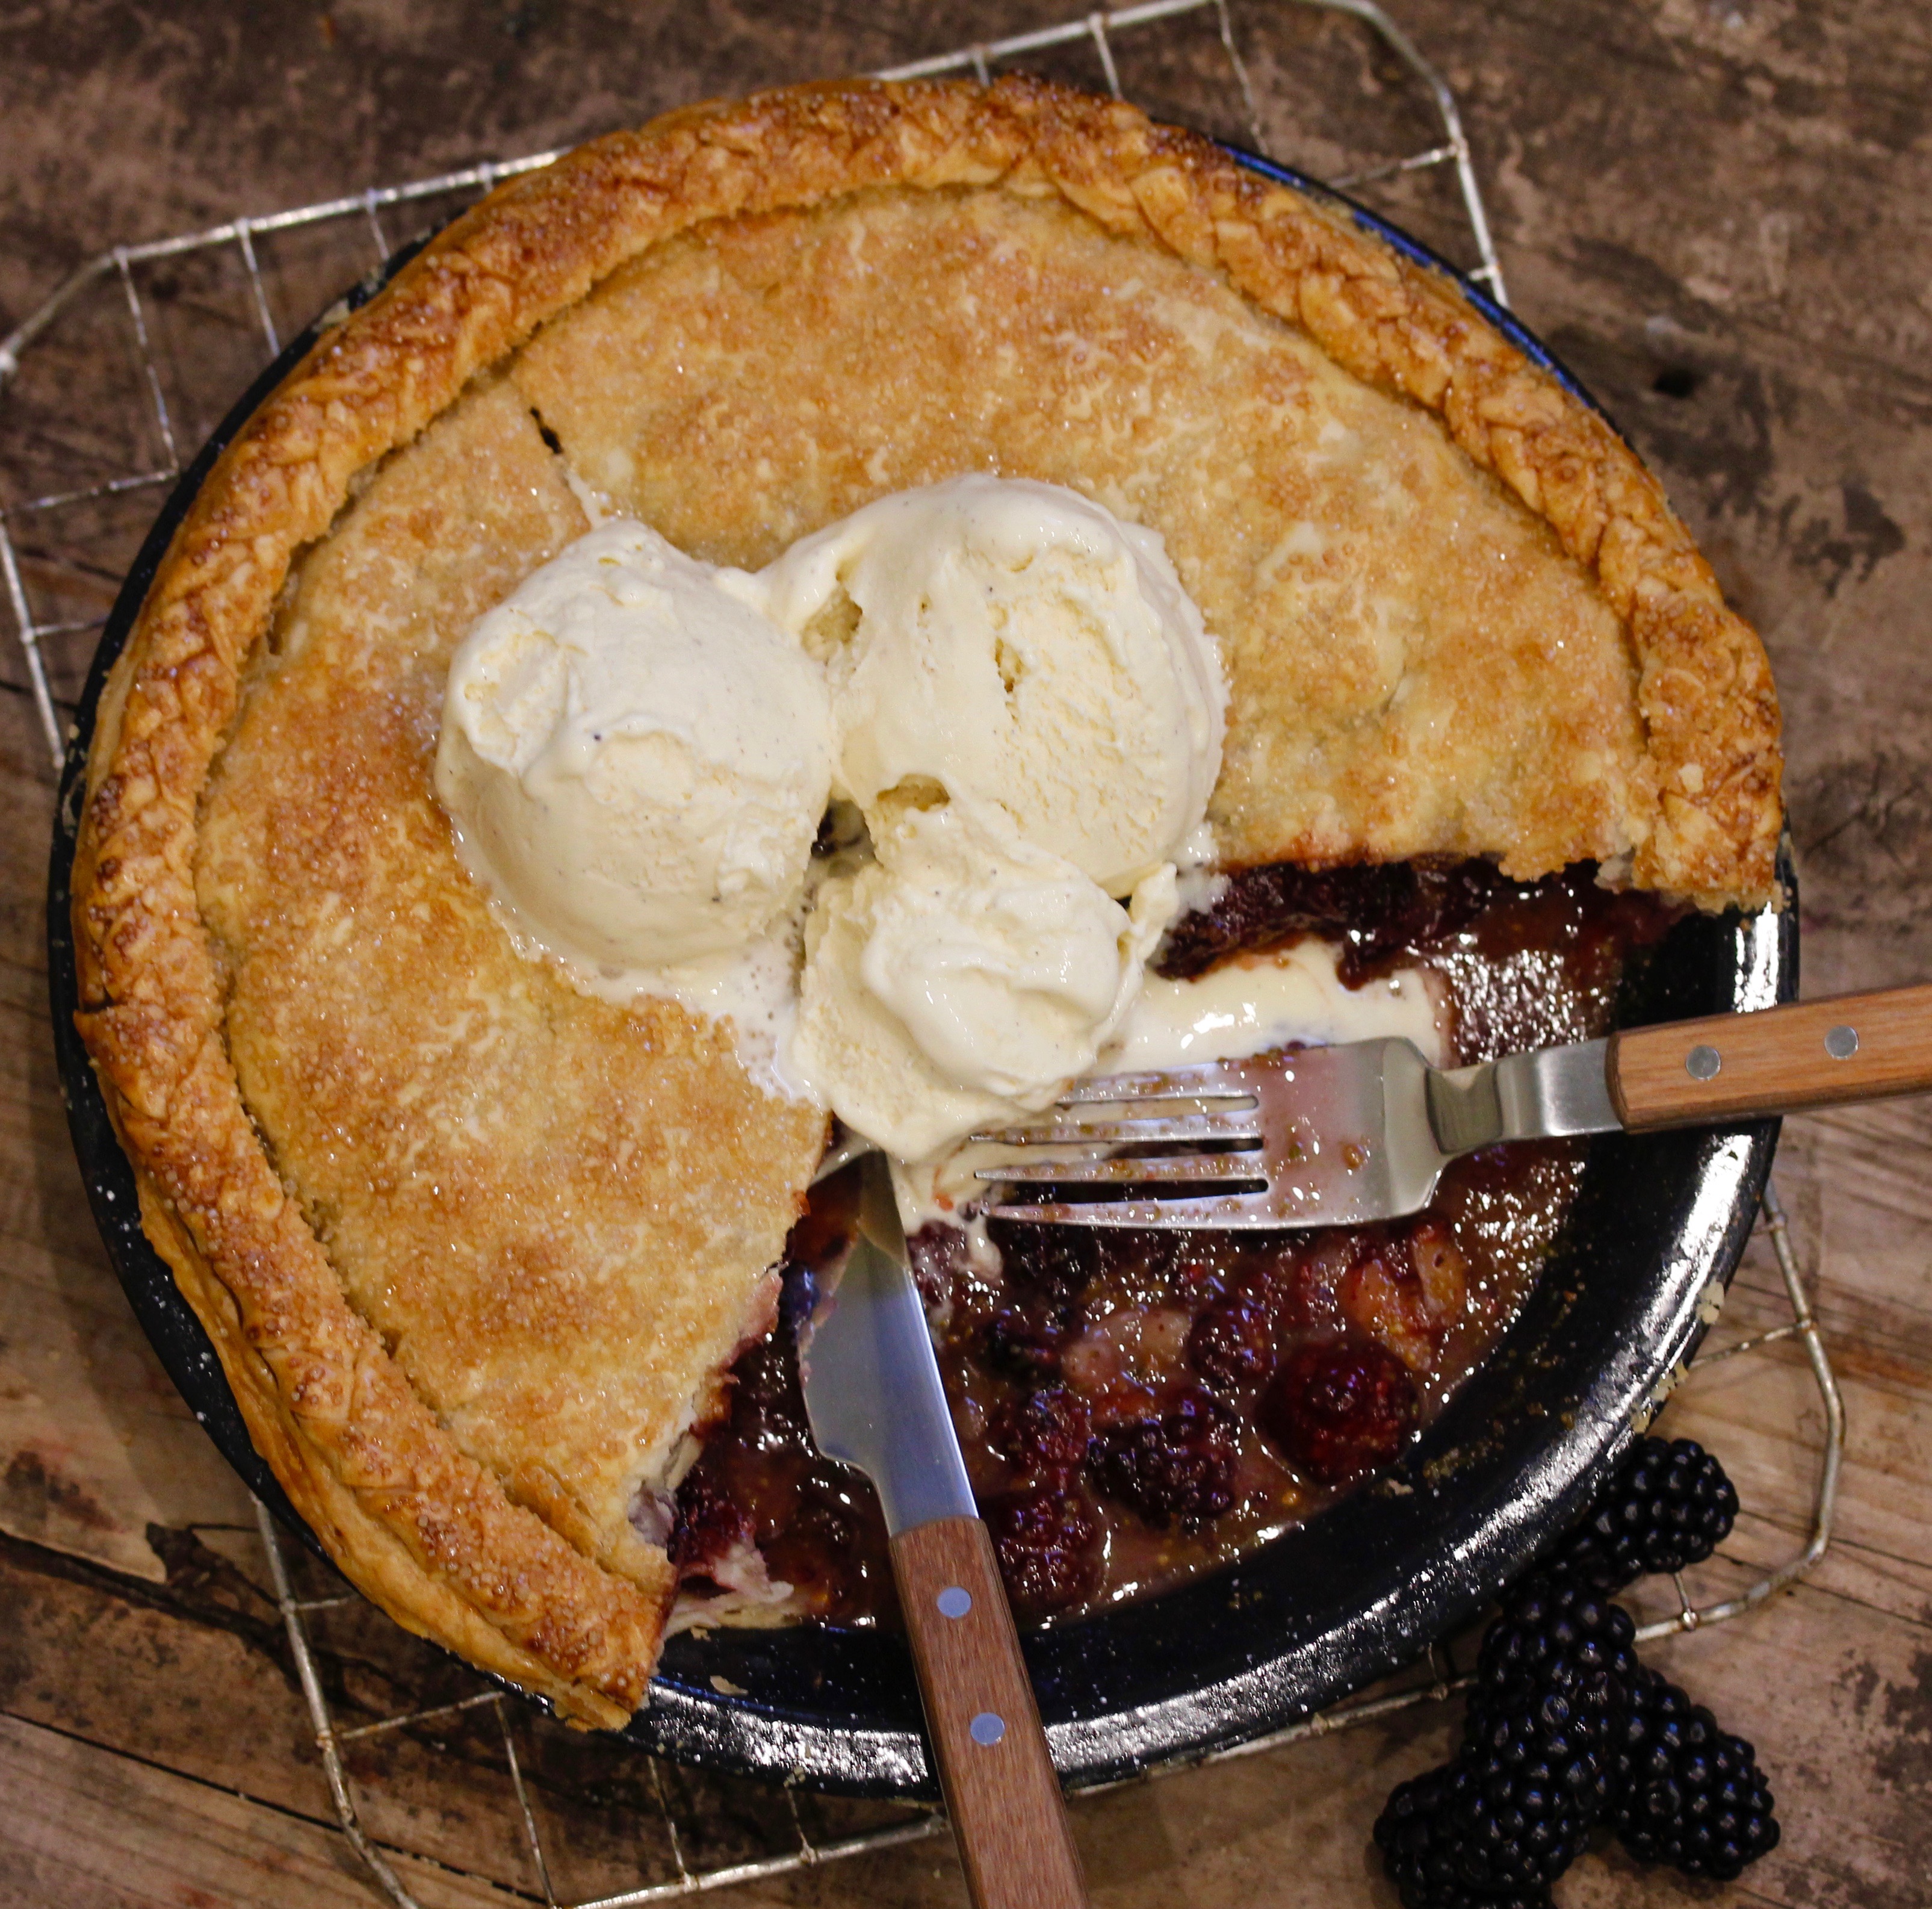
(1514, 1810)
(1686, 1792)
(1565, 1728)
(1500, 1824)
(1548, 1621)
(1668, 1505)
(1537, 1749)
(1421, 1834)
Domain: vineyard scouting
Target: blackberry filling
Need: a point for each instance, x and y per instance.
(1136, 1408)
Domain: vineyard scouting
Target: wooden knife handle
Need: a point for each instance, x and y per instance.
(1008, 1815)
(1745, 1067)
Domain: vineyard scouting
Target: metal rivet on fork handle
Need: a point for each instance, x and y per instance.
(1702, 1062)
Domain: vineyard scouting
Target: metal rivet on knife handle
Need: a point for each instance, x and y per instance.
(1703, 1063)
(991, 1756)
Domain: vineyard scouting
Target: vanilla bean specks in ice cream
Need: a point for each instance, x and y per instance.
(1009, 685)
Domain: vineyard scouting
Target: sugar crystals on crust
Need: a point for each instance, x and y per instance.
(455, 1229)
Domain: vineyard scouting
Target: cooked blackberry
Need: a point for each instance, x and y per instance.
(1685, 1792)
(1060, 1260)
(1044, 1433)
(1026, 1339)
(1375, 909)
(1232, 1344)
(1668, 1505)
(767, 1404)
(1337, 1411)
(706, 1525)
(1046, 1539)
(1236, 1342)
(940, 1253)
(1178, 1468)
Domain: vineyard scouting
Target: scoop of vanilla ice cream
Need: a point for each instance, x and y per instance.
(636, 756)
(963, 974)
(1022, 648)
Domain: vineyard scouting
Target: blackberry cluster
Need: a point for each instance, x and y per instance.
(1515, 1809)
(1566, 1729)
(1687, 1793)
(1669, 1506)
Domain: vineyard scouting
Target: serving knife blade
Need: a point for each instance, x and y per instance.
(871, 1380)
(873, 1395)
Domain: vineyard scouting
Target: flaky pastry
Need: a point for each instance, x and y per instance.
(475, 1248)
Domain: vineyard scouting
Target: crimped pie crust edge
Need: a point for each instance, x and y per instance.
(413, 1521)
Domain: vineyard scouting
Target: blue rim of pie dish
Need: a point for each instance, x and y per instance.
(1654, 1234)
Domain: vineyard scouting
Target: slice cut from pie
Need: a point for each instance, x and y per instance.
(476, 1247)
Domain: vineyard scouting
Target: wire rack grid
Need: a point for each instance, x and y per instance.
(242, 238)
(241, 241)
(1436, 1680)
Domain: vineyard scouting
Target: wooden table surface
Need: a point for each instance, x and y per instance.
(1720, 213)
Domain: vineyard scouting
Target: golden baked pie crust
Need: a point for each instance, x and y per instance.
(427, 1531)
(515, 1181)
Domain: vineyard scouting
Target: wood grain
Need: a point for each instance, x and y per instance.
(89, 1830)
(1008, 1816)
(1719, 216)
(1784, 1060)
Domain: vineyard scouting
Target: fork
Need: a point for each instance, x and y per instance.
(1343, 1136)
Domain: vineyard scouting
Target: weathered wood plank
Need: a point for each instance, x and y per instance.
(95, 1444)
(1719, 214)
(87, 1829)
(1849, 1746)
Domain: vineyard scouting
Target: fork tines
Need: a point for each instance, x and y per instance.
(1232, 1208)
(1155, 1130)
(1219, 1134)
(1114, 1170)
(1206, 1082)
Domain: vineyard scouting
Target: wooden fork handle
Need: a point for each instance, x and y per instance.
(1744, 1066)
(1009, 1817)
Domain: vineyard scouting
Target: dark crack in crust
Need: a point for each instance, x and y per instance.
(425, 1530)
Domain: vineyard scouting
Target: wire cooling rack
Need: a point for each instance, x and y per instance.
(172, 328)
(211, 273)
(1435, 1681)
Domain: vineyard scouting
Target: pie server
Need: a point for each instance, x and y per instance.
(873, 1395)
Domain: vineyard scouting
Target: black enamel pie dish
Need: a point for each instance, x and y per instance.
(1660, 1220)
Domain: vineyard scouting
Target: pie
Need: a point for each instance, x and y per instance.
(478, 1250)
